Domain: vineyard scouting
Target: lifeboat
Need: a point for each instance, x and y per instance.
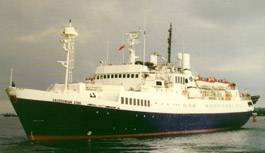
(212, 83)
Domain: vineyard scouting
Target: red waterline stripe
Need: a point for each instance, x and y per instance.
(33, 137)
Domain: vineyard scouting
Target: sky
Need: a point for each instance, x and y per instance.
(224, 38)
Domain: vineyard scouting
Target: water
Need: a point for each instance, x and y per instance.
(250, 138)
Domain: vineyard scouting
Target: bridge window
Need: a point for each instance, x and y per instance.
(119, 75)
(98, 77)
(134, 101)
(138, 102)
(126, 101)
(124, 75)
(142, 102)
(128, 75)
(122, 100)
(116, 75)
(136, 75)
(112, 76)
(108, 76)
(132, 76)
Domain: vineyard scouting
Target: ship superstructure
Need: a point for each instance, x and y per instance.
(133, 99)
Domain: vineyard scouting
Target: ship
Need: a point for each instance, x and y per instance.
(134, 99)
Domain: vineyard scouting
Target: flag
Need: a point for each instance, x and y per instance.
(123, 46)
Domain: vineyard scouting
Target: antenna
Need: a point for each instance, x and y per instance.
(169, 42)
(107, 48)
(145, 12)
(182, 52)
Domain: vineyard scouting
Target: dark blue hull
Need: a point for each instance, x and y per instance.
(50, 120)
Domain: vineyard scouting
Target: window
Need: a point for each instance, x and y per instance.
(148, 103)
(128, 75)
(134, 101)
(183, 80)
(142, 102)
(126, 101)
(124, 75)
(108, 76)
(186, 81)
(112, 76)
(105, 76)
(132, 76)
(122, 100)
(101, 76)
(136, 75)
(98, 77)
(119, 75)
(158, 83)
(116, 75)
(176, 79)
(138, 102)
(130, 101)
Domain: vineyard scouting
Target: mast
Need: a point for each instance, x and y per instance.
(68, 46)
(145, 11)
(134, 37)
(169, 42)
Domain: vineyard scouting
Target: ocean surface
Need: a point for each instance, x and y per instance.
(250, 138)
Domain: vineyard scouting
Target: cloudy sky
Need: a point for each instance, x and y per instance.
(225, 38)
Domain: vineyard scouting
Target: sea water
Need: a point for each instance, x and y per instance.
(250, 138)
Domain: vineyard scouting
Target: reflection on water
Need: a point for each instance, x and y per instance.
(250, 138)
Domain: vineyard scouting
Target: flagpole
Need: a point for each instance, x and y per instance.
(140, 53)
(123, 51)
(11, 77)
